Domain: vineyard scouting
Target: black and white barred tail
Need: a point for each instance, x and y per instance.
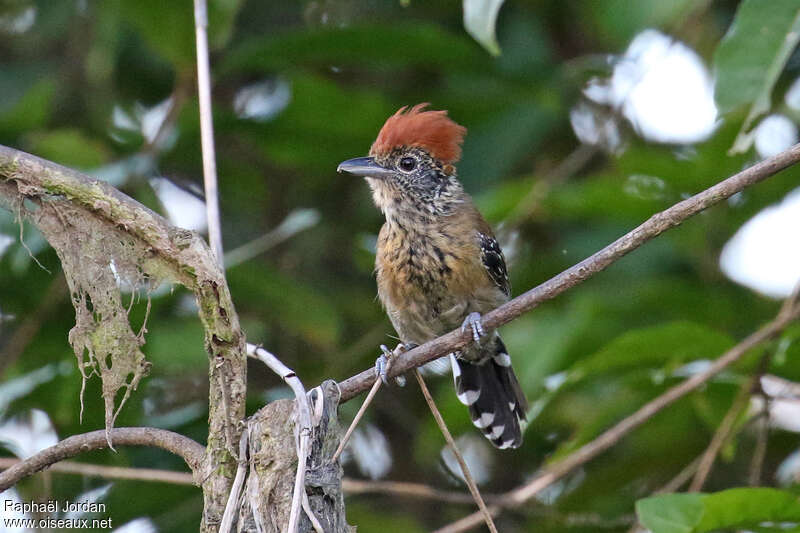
(490, 389)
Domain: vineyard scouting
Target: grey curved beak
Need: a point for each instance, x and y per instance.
(365, 167)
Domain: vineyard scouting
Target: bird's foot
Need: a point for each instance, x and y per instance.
(383, 362)
(473, 321)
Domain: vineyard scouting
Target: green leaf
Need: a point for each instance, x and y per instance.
(604, 19)
(672, 343)
(670, 513)
(752, 55)
(745, 507)
(168, 27)
(480, 17)
(70, 147)
(31, 110)
(729, 509)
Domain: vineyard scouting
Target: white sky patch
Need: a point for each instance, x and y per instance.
(28, 434)
(5, 242)
(789, 470)
(554, 381)
(764, 255)
(595, 128)
(784, 405)
(692, 368)
(184, 209)
(477, 455)
(370, 449)
(792, 96)
(262, 100)
(153, 119)
(90, 496)
(19, 22)
(148, 121)
(783, 413)
(663, 88)
(774, 134)
(10, 495)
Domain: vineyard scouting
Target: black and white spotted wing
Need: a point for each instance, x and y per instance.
(494, 262)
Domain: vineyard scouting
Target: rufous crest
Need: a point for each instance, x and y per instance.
(433, 131)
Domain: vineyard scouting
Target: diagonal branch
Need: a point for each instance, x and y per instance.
(184, 447)
(653, 227)
(789, 312)
(468, 479)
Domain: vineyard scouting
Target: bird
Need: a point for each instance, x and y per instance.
(438, 264)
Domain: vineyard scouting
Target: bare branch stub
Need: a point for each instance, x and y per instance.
(267, 499)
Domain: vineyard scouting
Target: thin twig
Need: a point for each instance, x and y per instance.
(580, 272)
(570, 165)
(295, 222)
(473, 487)
(238, 482)
(111, 472)
(721, 435)
(411, 490)
(760, 451)
(184, 447)
(207, 128)
(357, 419)
(26, 331)
(680, 478)
(304, 426)
(315, 523)
(790, 310)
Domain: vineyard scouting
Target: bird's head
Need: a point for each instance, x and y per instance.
(410, 167)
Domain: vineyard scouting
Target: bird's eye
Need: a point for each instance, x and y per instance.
(408, 164)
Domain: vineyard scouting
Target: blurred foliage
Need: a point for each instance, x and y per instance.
(760, 509)
(330, 72)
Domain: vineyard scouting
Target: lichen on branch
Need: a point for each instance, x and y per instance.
(97, 258)
(104, 238)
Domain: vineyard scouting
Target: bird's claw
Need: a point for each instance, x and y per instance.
(382, 365)
(473, 321)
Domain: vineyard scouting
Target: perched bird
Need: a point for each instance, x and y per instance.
(438, 264)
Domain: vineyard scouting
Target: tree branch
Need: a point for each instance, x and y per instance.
(582, 271)
(724, 431)
(468, 479)
(184, 447)
(789, 312)
(411, 490)
(174, 253)
(111, 472)
(207, 128)
(304, 427)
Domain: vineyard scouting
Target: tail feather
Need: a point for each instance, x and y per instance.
(495, 399)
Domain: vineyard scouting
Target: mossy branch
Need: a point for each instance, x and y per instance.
(81, 217)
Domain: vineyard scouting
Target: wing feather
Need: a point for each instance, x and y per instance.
(494, 262)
